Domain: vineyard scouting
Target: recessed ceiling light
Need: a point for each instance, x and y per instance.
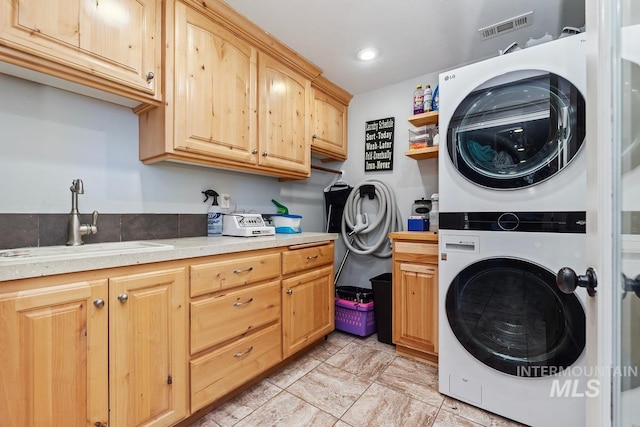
(367, 54)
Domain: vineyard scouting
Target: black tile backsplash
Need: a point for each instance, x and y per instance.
(18, 230)
(25, 230)
(141, 226)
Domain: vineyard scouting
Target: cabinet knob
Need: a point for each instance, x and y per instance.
(265, 154)
(150, 76)
(123, 298)
(98, 302)
(254, 151)
(289, 291)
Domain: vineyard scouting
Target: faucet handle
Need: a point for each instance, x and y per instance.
(94, 225)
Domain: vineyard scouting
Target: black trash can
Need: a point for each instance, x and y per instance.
(382, 306)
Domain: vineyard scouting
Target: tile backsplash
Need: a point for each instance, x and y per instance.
(29, 230)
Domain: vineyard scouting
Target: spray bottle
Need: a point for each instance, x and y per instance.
(214, 215)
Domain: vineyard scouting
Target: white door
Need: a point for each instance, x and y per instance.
(613, 238)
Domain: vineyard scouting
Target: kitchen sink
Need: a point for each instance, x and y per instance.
(46, 253)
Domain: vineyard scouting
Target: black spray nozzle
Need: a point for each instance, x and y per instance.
(368, 190)
(213, 194)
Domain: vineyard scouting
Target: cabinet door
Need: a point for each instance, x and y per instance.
(307, 309)
(330, 126)
(215, 90)
(147, 329)
(114, 39)
(416, 306)
(284, 117)
(53, 363)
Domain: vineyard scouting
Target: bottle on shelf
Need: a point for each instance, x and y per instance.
(434, 213)
(435, 104)
(418, 100)
(427, 99)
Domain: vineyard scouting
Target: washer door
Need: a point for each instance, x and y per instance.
(509, 314)
(517, 130)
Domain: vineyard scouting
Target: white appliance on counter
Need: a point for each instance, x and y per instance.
(245, 225)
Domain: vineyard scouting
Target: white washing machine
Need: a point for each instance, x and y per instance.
(510, 341)
(512, 131)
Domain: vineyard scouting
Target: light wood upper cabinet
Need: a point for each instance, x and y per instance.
(284, 117)
(230, 104)
(53, 366)
(329, 119)
(215, 90)
(147, 328)
(110, 45)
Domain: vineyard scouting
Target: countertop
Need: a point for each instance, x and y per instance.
(191, 247)
(420, 236)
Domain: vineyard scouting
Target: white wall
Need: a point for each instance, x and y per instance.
(410, 179)
(50, 137)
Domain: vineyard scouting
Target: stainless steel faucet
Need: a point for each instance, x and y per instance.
(77, 230)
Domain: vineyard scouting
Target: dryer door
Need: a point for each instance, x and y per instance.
(517, 130)
(509, 314)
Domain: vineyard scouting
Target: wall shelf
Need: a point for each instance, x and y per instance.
(423, 153)
(424, 119)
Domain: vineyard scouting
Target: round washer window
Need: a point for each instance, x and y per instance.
(509, 314)
(517, 134)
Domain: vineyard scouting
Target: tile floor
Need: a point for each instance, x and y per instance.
(350, 381)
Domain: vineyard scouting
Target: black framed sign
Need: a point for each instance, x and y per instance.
(378, 145)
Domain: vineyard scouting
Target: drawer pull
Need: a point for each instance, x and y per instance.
(289, 291)
(238, 303)
(242, 354)
(312, 257)
(236, 271)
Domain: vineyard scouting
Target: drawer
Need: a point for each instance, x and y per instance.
(295, 260)
(230, 314)
(229, 273)
(414, 251)
(219, 372)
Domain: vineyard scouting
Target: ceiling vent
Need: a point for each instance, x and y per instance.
(514, 23)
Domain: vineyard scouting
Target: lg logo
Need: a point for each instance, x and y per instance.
(449, 76)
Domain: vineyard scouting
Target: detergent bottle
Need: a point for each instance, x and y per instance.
(214, 215)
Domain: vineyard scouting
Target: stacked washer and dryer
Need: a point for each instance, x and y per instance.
(512, 184)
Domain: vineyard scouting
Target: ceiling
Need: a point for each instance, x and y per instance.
(414, 37)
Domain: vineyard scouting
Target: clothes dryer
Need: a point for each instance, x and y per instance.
(510, 342)
(513, 129)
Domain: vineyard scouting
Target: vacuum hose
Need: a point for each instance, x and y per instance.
(356, 224)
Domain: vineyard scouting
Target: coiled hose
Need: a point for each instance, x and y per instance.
(356, 225)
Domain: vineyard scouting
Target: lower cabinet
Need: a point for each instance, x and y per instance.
(307, 309)
(147, 348)
(99, 352)
(127, 347)
(307, 296)
(415, 298)
(54, 358)
(226, 368)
